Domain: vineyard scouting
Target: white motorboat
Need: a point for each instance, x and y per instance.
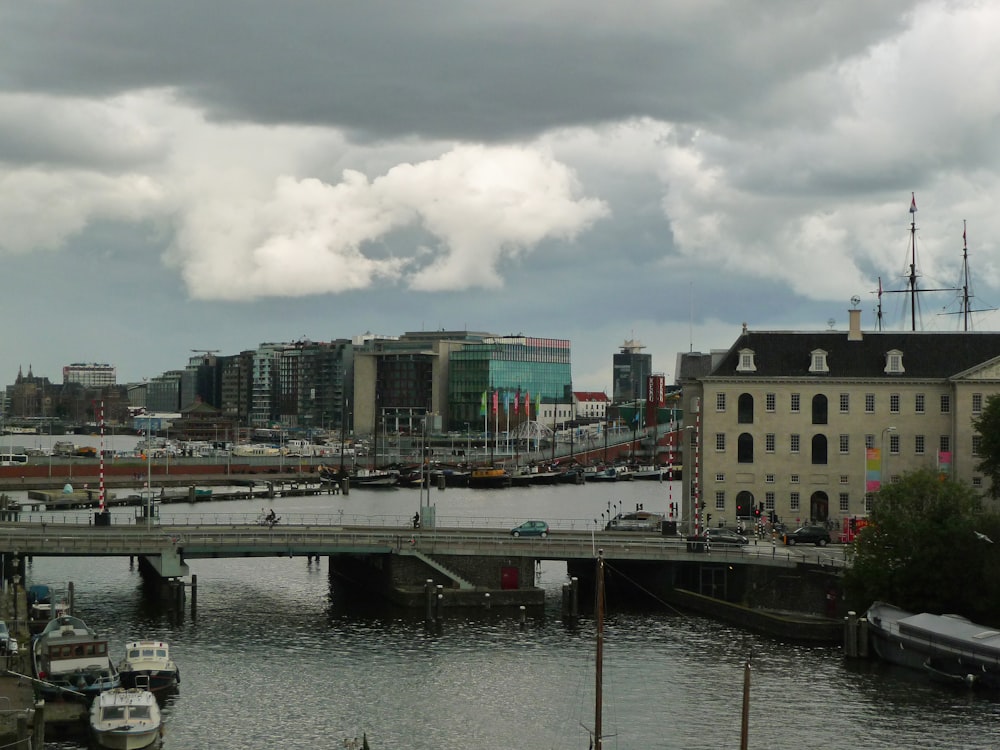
(147, 663)
(125, 719)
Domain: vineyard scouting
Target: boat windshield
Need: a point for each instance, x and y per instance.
(113, 713)
(139, 712)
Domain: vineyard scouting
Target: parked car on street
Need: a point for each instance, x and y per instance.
(724, 536)
(817, 535)
(531, 528)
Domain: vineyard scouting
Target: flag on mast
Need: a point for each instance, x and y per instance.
(482, 405)
(496, 401)
(527, 404)
(517, 401)
(913, 203)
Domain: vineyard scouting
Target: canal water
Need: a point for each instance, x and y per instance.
(276, 657)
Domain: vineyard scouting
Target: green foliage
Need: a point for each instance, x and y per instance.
(987, 424)
(920, 550)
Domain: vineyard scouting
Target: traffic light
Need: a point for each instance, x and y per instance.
(708, 518)
(739, 510)
(703, 505)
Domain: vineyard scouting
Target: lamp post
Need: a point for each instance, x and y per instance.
(885, 457)
(468, 443)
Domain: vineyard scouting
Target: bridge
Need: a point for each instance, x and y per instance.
(463, 564)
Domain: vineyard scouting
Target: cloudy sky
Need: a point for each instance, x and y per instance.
(211, 175)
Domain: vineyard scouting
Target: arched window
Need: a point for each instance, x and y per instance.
(745, 409)
(819, 409)
(744, 448)
(819, 449)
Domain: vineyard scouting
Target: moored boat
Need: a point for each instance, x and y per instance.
(69, 658)
(492, 477)
(125, 719)
(147, 663)
(946, 647)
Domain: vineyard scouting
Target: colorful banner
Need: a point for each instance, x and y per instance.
(873, 469)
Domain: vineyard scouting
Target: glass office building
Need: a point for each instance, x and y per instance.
(503, 369)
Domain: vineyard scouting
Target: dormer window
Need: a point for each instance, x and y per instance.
(746, 363)
(817, 361)
(894, 362)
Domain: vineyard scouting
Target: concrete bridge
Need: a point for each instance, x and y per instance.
(463, 565)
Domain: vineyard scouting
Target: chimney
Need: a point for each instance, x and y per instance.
(854, 330)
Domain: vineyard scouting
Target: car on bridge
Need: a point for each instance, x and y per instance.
(817, 535)
(724, 536)
(531, 528)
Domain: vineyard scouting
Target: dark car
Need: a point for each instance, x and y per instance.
(531, 528)
(817, 535)
(724, 536)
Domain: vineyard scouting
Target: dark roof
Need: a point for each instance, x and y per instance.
(924, 354)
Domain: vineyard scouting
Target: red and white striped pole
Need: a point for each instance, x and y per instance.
(695, 486)
(100, 420)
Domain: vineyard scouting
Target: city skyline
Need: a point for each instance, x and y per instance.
(175, 180)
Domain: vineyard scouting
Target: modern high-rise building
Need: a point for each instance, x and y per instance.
(631, 369)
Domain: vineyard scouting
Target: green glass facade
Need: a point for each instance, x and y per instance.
(508, 366)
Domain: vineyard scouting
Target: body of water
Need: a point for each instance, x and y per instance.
(279, 656)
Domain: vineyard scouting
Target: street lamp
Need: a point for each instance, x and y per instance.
(885, 456)
(468, 443)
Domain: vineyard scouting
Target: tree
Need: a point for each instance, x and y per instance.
(920, 550)
(987, 424)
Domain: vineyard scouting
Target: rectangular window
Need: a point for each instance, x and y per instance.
(844, 479)
(845, 502)
(796, 403)
(845, 443)
(894, 403)
(793, 443)
(720, 442)
(869, 441)
(720, 477)
(720, 401)
(770, 402)
(977, 403)
(793, 501)
(918, 403)
(869, 499)
(977, 482)
(945, 403)
(795, 479)
(919, 444)
(845, 403)
(869, 403)
(769, 442)
(977, 444)
(944, 443)
(768, 501)
(894, 444)
(720, 500)
(769, 478)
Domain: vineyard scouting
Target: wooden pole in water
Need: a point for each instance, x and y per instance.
(745, 723)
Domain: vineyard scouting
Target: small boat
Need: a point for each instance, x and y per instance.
(492, 477)
(69, 658)
(375, 479)
(147, 663)
(948, 648)
(125, 719)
